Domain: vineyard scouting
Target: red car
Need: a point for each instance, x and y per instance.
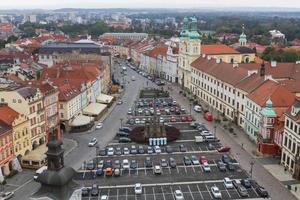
(203, 160)
(183, 118)
(189, 118)
(173, 119)
(224, 149)
(208, 116)
(172, 109)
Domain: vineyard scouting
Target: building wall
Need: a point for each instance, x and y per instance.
(170, 64)
(290, 144)
(252, 119)
(6, 151)
(235, 58)
(68, 109)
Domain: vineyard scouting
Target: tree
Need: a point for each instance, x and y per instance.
(2, 43)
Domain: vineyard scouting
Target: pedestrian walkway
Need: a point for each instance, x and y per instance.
(241, 139)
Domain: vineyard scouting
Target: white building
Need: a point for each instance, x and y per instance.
(170, 64)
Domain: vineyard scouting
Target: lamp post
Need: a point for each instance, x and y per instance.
(215, 130)
(121, 121)
(190, 108)
(96, 155)
(251, 167)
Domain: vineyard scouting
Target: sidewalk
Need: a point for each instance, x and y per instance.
(270, 164)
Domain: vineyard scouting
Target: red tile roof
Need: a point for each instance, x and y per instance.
(7, 114)
(160, 50)
(292, 85)
(250, 83)
(217, 49)
(279, 95)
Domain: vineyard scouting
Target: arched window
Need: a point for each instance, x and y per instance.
(247, 60)
(232, 60)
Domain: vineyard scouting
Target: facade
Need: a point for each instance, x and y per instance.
(291, 139)
(28, 100)
(170, 64)
(20, 130)
(6, 148)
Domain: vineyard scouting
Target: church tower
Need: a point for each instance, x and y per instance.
(243, 37)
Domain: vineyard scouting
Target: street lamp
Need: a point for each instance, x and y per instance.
(251, 167)
(121, 121)
(96, 153)
(190, 108)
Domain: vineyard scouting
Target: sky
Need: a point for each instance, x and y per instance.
(54, 4)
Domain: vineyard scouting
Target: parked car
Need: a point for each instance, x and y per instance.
(206, 167)
(141, 150)
(108, 171)
(189, 118)
(125, 164)
(126, 151)
(208, 116)
(221, 166)
(150, 150)
(104, 197)
(148, 162)
(178, 195)
(133, 164)
(187, 160)
(216, 192)
(100, 164)
(246, 183)
(173, 119)
(184, 119)
(224, 149)
(228, 183)
(99, 125)
(120, 102)
(110, 151)
(6, 195)
(94, 190)
(118, 151)
(90, 165)
(117, 164)
(169, 149)
(230, 166)
(225, 158)
(99, 172)
(157, 169)
(122, 134)
(85, 192)
(197, 108)
(242, 191)
(124, 140)
(138, 188)
(133, 149)
(182, 148)
(172, 162)
(157, 149)
(102, 152)
(262, 192)
(93, 142)
(125, 129)
(130, 111)
(163, 162)
(108, 163)
(117, 172)
(203, 160)
(195, 160)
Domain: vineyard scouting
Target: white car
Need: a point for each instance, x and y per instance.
(126, 151)
(110, 151)
(140, 111)
(206, 133)
(125, 164)
(93, 142)
(100, 164)
(104, 197)
(206, 167)
(216, 192)
(137, 121)
(157, 149)
(161, 120)
(197, 108)
(99, 126)
(157, 169)
(228, 183)
(178, 195)
(138, 188)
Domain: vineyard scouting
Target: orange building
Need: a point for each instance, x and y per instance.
(6, 148)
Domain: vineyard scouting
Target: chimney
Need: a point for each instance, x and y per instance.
(273, 63)
(262, 69)
(235, 64)
(268, 77)
(218, 60)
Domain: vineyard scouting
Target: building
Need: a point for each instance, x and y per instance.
(27, 100)
(291, 140)
(6, 148)
(20, 130)
(131, 36)
(170, 63)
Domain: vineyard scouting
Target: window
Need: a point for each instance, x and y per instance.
(19, 101)
(2, 100)
(294, 147)
(285, 141)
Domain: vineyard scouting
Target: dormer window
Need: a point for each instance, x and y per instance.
(294, 111)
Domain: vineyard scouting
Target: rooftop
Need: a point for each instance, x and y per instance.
(7, 114)
(217, 49)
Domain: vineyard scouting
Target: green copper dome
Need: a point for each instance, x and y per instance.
(194, 33)
(185, 28)
(268, 109)
(243, 36)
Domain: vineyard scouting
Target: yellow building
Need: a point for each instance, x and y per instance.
(20, 126)
(28, 101)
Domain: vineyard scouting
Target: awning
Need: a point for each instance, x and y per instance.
(81, 120)
(37, 154)
(104, 98)
(94, 109)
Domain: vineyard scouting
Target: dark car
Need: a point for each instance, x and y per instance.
(124, 140)
(169, 149)
(246, 183)
(117, 164)
(102, 152)
(122, 134)
(182, 148)
(118, 151)
(242, 191)
(262, 192)
(85, 192)
(94, 190)
(108, 163)
(131, 122)
(172, 162)
(230, 166)
(221, 166)
(99, 172)
(148, 162)
(187, 160)
(133, 149)
(225, 158)
(125, 129)
(133, 164)
(254, 184)
(163, 162)
(90, 165)
(141, 150)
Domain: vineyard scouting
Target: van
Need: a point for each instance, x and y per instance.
(39, 171)
(210, 138)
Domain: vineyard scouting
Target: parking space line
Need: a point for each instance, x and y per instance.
(162, 190)
(177, 170)
(171, 188)
(193, 167)
(145, 171)
(237, 192)
(153, 193)
(126, 194)
(145, 194)
(227, 192)
(208, 191)
(185, 169)
(117, 193)
(191, 192)
(200, 192)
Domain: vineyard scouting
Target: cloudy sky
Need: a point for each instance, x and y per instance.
(51, 4)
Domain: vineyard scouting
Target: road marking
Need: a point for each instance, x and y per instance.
(162, 190)
(208, 191)
(153, 193)
(126, 193)
(227, 192)
(191, 192)
(177, 169)
(22, 185)
(199, 191)
(118, 194)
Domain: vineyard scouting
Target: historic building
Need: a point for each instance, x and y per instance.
(6, 148)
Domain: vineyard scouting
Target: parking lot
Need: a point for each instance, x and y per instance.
(191, 179)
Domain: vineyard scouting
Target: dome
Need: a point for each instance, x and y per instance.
(243, 36)
(194, 35)
(269, 103)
